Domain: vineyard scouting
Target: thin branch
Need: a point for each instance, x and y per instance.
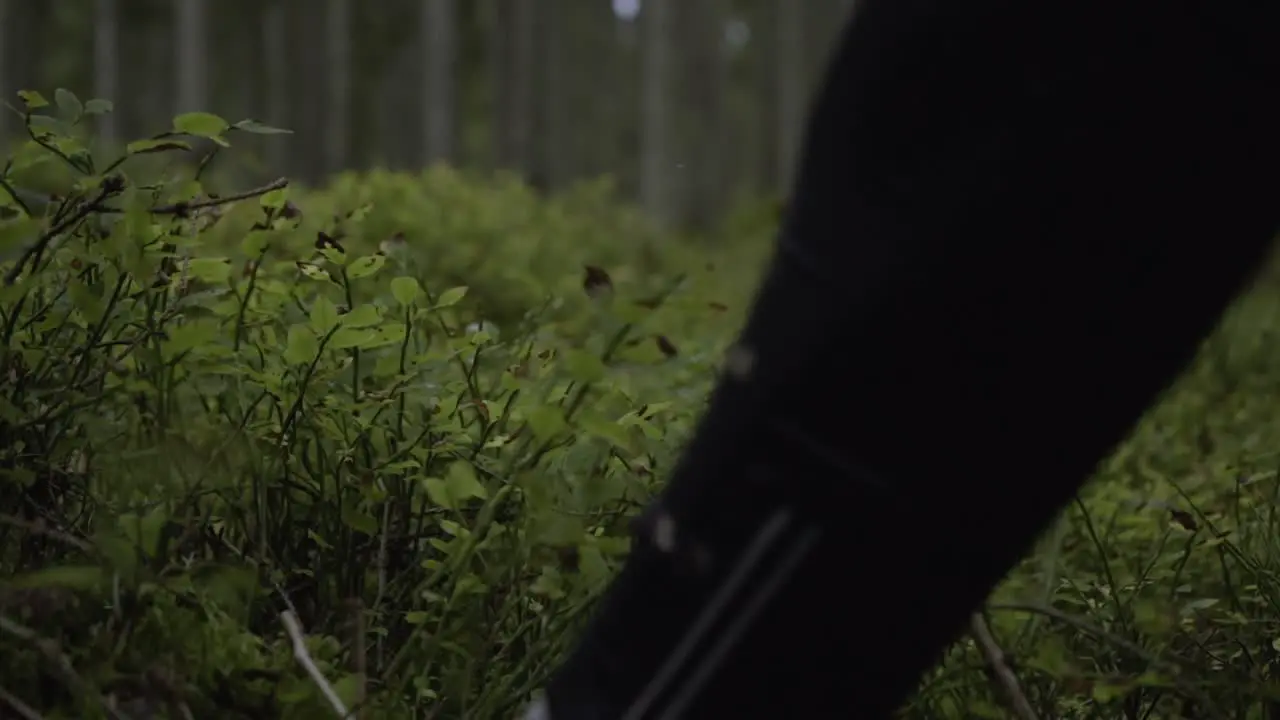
(13, 194)
(383, 562)
(40, 527)
(185, 207)
(294, 629)
(95, 206)
(1089, 628)
(85, 210)
(359, 654)
(1000, 669)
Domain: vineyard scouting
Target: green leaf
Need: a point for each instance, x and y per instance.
(1197, 605)
(451, 297)
(98, 106)
(313, 272)
(68, 104)
(274, 199)
(1106, 691)
(84, 299)
(583, 366)
(257, 128)
(32, 99)
(210, 270)
(463, 483)
(18, 232)
(149, 527)
(334, 255)
(200, 124)
(358, 520)
(606, 430)
(189, 335)
(416, 617)
(438, 492)
(324, 315)
(302, 345)
(365, 266)
(592, 565)
(362, 316)
(546, 421)
(549, 584)
(405, 290)
(348, 688)
(254, 242)
(143, 147)
(71, 577)
(52, 124)
(349, 337)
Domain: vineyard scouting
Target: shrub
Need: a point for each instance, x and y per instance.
(515, 249)
(208, 422)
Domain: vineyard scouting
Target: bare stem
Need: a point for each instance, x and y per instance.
(1000, 669)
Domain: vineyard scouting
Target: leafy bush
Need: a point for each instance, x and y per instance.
(268, 452)
(199, 435)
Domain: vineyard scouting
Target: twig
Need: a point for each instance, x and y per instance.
(183, 207)
(382, 578)
(95, 206)
(1088, 628)
(294, 629)
(1004, 675)
(13, 194)
(359, 654)
(24, 710)
(40, 527)
(85, 210)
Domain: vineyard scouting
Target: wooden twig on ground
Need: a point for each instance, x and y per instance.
(1000, 670)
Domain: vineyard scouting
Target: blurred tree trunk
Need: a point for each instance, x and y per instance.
(147, 82)
(439, 35)
(106, 64)
(402, 145)
(514, 35)
(307, 89)
(606, 105)
(275, 56)
(553, 121)
(237, 79)
(19, 59)
(192, 56)
(655, 129)
(790, 85)
(389, 73)
(7, 36)
(705, 75)
(236, 59)
(338, 73)
(751, 160)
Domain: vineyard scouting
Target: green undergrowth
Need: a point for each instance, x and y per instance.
(219, 407)
(408, 417)
(1156, 595)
